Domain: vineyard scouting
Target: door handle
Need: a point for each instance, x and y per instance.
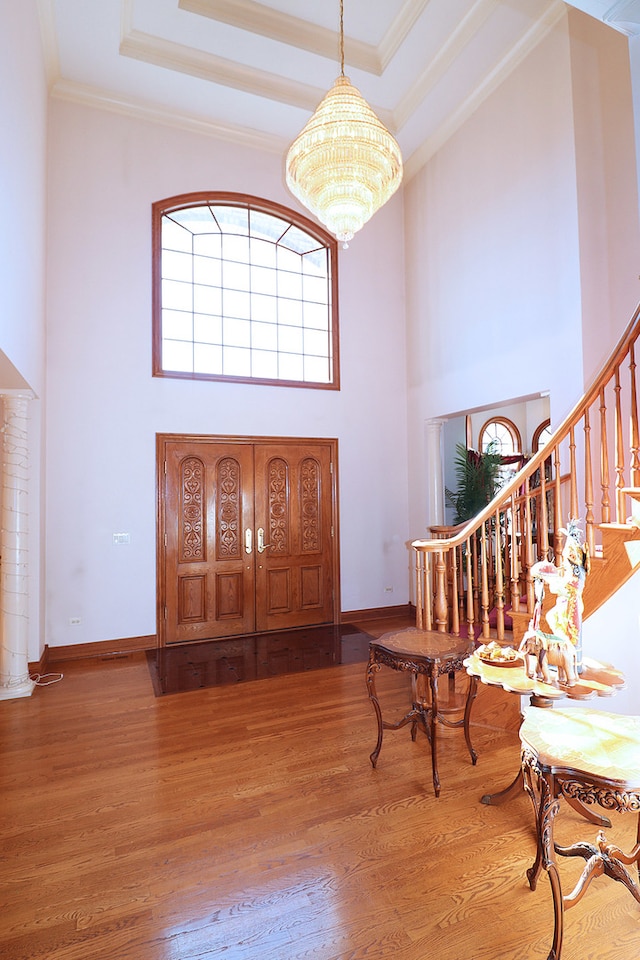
(262, 546)
(248, 540)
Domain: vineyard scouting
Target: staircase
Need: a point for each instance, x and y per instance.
(476, 579)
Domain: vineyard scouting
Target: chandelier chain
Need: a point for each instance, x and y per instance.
(342, 38)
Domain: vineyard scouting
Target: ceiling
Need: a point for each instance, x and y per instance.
(253, 71)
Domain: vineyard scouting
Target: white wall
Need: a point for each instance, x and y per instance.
(509, 229)
(493, 261)
(634, 62)
(612, 635)
(22, 174)
(104, 407)
(606, 184)
(23, 121)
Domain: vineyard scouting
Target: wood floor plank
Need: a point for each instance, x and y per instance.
(246, 821)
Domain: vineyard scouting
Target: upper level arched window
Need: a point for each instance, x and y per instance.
(243, 290)
(502, 435)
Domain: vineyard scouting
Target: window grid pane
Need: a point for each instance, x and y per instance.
(244, 294)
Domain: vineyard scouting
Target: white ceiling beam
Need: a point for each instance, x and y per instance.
(229, 73)
(257, 18)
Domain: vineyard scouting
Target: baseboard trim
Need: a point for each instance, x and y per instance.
(38, 667)
(105, 649)
(101, 649)
(379, 613)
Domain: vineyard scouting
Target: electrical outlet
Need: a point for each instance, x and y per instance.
(74, 621)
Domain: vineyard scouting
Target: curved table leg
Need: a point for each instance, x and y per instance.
(372, 668)
(471, 695)
(588, 814)
(433, 683)
(514, 788)
(546, 807)
(558, 912)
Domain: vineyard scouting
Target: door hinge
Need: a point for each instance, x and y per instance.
(165, 613)
(165, 468)
(165, 539)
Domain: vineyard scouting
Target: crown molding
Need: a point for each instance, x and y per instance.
(448, 54)
(206, 66)
(254, 17)
(622, 15)
(46, 17)
(553, 15)
(400, 30)
(145, 110)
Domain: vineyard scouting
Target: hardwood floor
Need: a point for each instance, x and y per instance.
(245, 821)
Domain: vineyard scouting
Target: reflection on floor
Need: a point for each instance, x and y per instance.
(214, 662)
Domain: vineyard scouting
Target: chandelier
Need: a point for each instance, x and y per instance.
(344, 165)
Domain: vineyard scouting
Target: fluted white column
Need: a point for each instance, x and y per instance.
(435, 472)
(14, 584)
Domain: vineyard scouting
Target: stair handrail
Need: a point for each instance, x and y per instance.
(452, 566)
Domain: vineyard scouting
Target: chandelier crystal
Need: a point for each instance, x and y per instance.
(344, 165)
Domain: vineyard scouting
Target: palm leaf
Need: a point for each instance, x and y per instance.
(478, 479)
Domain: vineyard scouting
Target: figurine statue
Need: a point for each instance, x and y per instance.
(563, 646)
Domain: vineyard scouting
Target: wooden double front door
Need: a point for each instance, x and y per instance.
(247, 535)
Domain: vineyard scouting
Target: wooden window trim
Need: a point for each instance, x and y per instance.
(537, 433)
(185, 200)
(509, 425)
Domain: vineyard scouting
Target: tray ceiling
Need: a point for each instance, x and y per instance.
(254, 70)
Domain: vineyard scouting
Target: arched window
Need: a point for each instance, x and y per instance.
(502, 435)
(541, 436)
(243, 290)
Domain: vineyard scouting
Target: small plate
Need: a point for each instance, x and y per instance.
(518, 662)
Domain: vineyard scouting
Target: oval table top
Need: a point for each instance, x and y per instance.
(601, 745)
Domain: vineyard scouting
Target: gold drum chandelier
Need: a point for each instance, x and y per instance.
(344, 165)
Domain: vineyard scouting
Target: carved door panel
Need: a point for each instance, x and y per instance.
(246, 536)
(208, 574)
(294, 511)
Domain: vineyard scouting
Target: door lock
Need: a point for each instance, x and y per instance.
(262, 546)
(248, 540)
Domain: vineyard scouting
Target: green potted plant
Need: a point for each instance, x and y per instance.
(479, 479)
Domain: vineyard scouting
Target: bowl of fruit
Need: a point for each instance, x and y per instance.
(495, 655)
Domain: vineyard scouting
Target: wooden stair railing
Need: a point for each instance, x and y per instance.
(469, 577)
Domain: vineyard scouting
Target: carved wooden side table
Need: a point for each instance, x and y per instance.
(427, 655)
(586, 757)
